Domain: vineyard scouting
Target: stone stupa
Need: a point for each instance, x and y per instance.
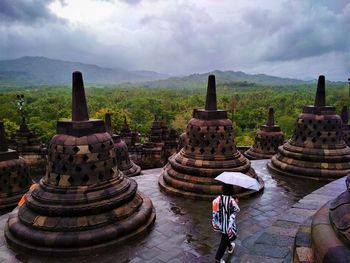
(14, 173)
(30, 147)
(209, 149)
(346, 127)
(317, 149)
(330, 230)
(159, 131)
(124, 163)
(267, 140)
(130, 137)
(83, 205)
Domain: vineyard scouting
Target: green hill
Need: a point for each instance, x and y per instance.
(45, 71)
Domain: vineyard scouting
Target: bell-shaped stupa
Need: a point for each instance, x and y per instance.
(14, 173)
(267, 140)
(124, 163)
(317, 149)
(83, 204)
(209, 149)
(159, 131)
(346, 127)
(30, 147)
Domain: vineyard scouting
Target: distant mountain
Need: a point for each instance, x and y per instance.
(223, 77)
(45, 71)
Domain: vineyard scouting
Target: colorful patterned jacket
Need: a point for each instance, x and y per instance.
(225, 209)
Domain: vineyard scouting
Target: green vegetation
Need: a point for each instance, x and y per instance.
(246, 104)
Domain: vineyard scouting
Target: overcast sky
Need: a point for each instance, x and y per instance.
(291, 38)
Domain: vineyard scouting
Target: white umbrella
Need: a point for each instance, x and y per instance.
(239, 179)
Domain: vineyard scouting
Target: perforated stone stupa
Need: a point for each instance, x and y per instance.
(159, 131)
(346, 127)
(209, 150)
(317, 149)
(124, 163)
(14, 174)
(30, 147)
(131, 138)
(84, 204)
(267, 140)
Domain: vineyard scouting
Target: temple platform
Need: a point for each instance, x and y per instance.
(267, 225)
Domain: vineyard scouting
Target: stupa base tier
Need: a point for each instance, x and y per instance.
(198, 191)
(326, 245)
(78, 243)
(252, 155)
(10, 202)
(132, 171)
(209, 167)
(305, 173)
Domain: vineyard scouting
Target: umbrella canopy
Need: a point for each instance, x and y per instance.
(239, 179)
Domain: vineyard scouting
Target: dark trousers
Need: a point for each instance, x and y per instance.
(224, 243)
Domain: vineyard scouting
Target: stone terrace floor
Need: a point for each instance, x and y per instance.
(183, 232)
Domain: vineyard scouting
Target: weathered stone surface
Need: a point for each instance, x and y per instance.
(317, 149)
(327, 246)
(83, 205)
(209, 149)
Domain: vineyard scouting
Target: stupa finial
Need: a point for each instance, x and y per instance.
(79, 106)
(3, 141)
(344, 115)
(320, 99)
(210, 103)
(108, 123)
(271, 117)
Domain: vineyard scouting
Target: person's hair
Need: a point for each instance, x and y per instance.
(228, 189)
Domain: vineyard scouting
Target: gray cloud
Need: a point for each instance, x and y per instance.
(293, 39)
(24, 11)
(299, 31)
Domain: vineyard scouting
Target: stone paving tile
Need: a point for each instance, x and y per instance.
(269, 251)
(183, 232)
(254, 258)
(310, 205)
(282, 231)
(275, 240)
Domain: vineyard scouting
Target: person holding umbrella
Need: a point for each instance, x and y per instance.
(225, 209)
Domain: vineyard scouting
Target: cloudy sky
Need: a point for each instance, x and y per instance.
(292, 38)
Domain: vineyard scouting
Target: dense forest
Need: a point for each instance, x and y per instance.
(246, 103)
